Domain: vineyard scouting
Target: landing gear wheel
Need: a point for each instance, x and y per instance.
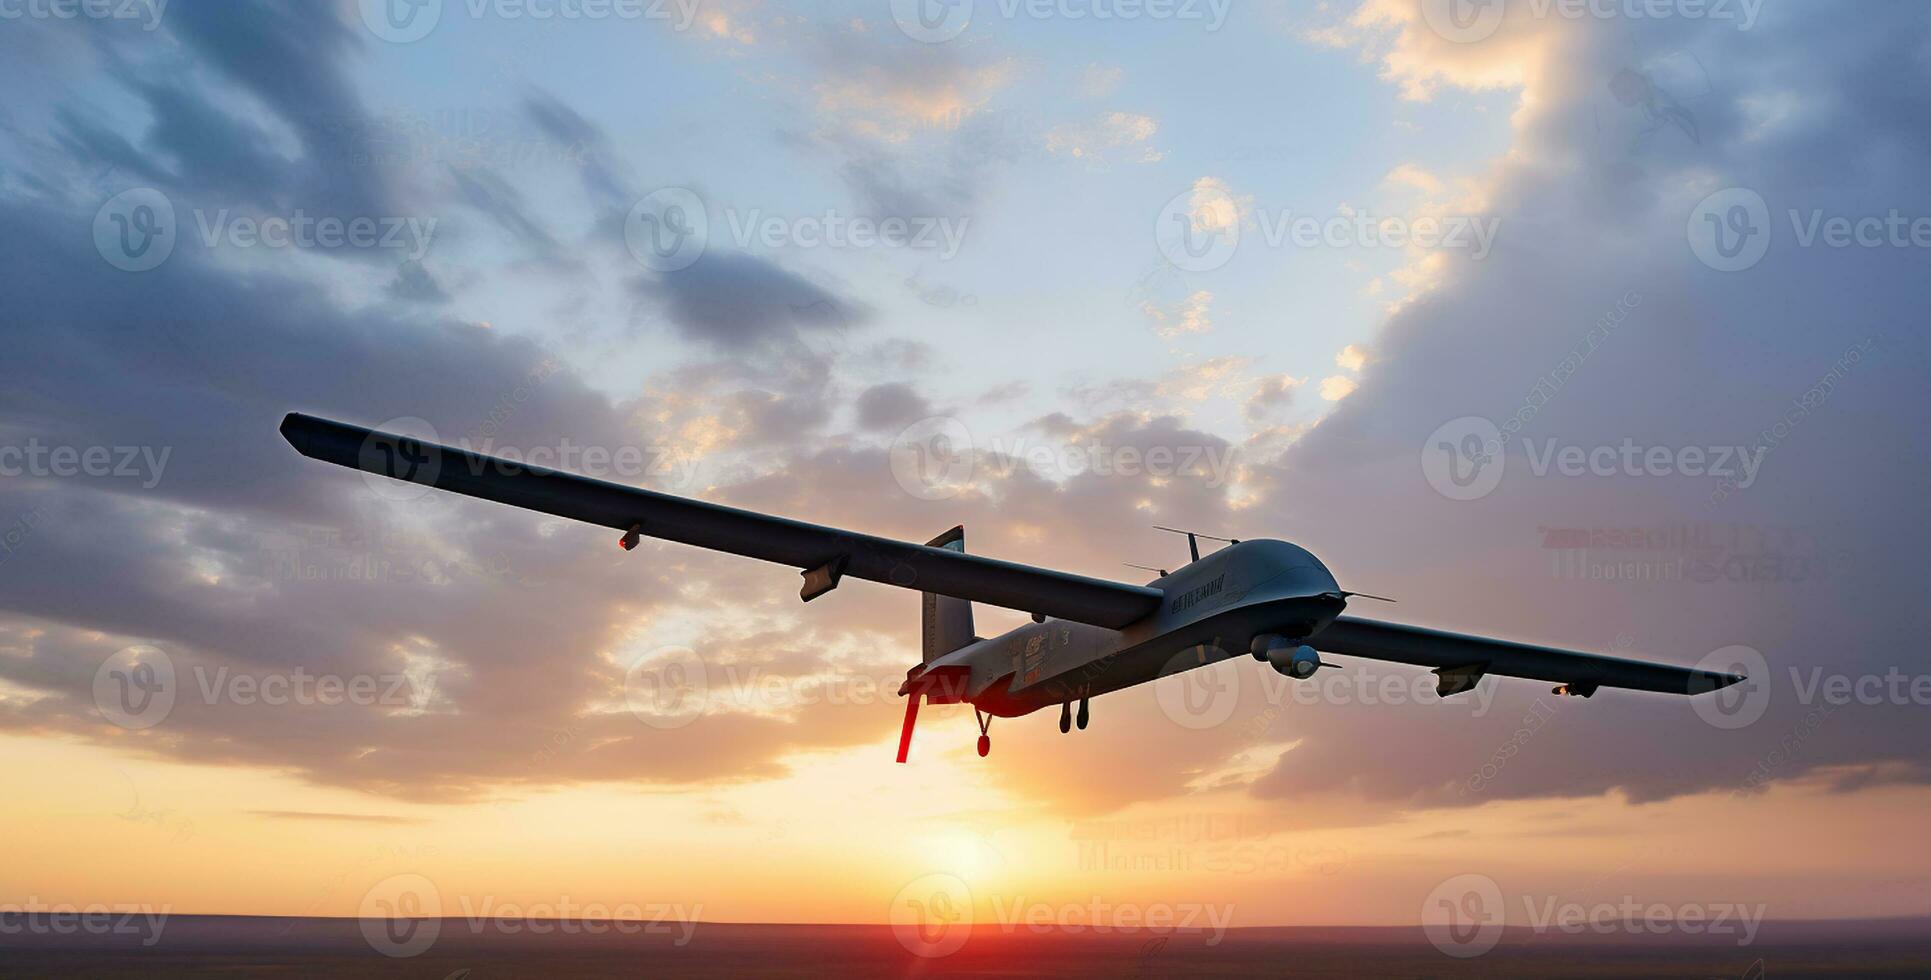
(985, 745)
(1082, 714)
(985, 731)
(1065, 717)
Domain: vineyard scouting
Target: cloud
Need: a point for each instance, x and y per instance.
(1122, 133)
(303, 815)
(1189, 315)
(1707, 358)
(514, 634)
(583, 140)
(502, 203)
(1097, 81)
(1207, 379)
(888, 92)
(734, 301)
(414, 283)
(1212, 205)
(1271, 395)
(1336, 387)
(245, 560)
(1421, 60)
(891, 406)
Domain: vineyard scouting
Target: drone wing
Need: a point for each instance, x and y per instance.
(1461, 660)
(824, 554)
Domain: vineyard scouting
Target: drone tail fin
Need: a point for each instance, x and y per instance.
(946, 622)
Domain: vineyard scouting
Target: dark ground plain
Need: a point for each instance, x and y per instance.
(247, 947)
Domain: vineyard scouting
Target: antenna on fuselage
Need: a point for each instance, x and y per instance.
(1146, 568)
(1193, 542)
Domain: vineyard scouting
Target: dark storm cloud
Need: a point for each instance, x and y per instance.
(733, 301)
(243, 556)
(212, 151)
(241, 559)
(86, 140)
(292, 57)
(1814, 111)
(584, 141)
(888, 405)
(502, 203)
(415, 283)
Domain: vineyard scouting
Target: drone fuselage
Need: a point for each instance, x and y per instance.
(1213, 609)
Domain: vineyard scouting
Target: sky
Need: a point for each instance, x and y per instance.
(1592, 329)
